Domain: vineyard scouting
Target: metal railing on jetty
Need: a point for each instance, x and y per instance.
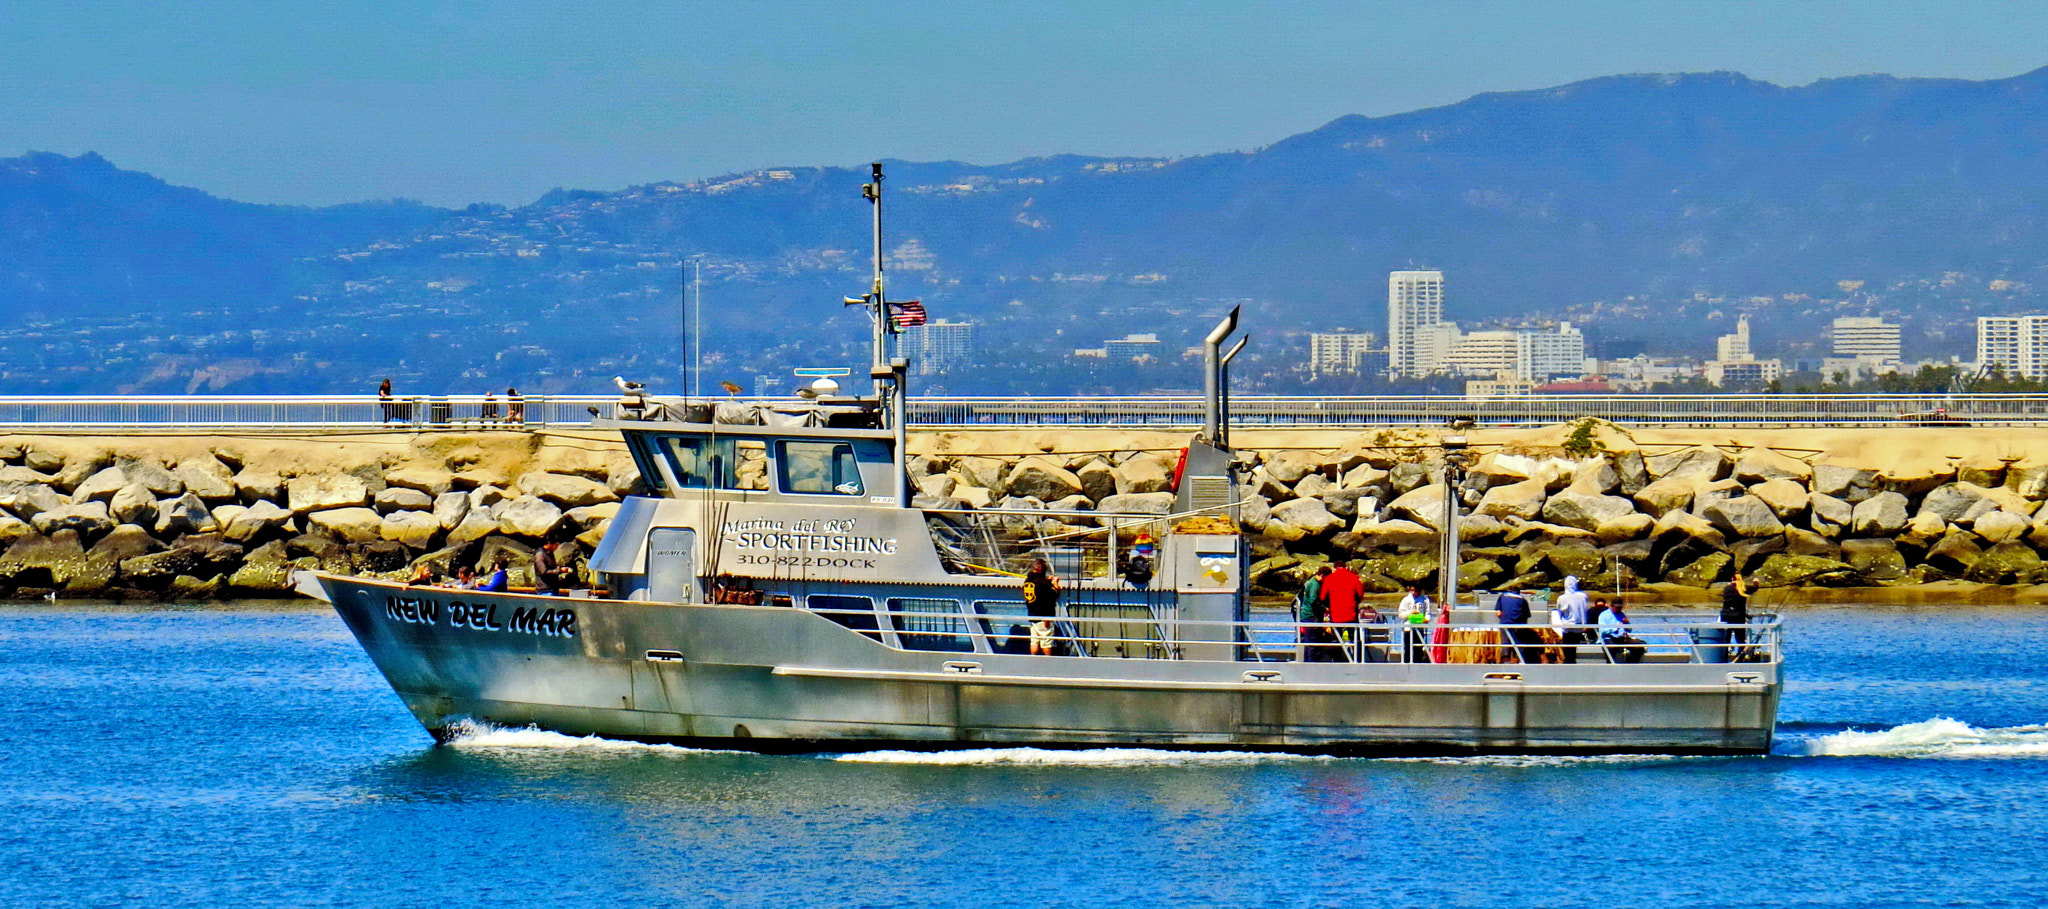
(1166, 412)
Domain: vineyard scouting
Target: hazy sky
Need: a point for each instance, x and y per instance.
(457, 102)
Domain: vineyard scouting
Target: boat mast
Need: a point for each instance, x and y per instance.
(888, 373)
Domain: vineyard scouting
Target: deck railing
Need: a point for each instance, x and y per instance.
(1175, 412)
(1139, 631)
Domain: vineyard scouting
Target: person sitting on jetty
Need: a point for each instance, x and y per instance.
(1622, 647)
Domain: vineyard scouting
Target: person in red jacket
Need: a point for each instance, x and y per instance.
(1342, 590)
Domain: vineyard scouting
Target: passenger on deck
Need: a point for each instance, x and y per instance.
(1571, 606)
(1735, 611)
(1513, 610)
(465, 579)
(1041, 602)
(499, 581)
(1622, 647)
(1414, 614)
(1138, 571)
(1312, 610)
(1342, 590)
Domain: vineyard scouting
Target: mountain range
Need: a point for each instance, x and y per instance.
(1661, 187)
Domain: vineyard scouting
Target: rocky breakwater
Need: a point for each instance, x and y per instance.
(185, 519)
(1622, 516)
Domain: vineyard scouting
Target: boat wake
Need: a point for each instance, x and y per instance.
(1940, 737)
(471, 735)
(1085, 757)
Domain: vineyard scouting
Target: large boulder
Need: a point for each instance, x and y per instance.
(416, 529)
(1744, 516)
(2029, 481)
(1787, 570)
(1409, 475)
(1883, 514)
(1306, 516)
(1705, 571)
(1950, 501)
(1922, 529)
(1290, 466)
(1667, 495)
(13, 528)
(2000, 527)
(1762, 465)
(326, 491)
(1314, 486)
(1397, 535)
(399, 498)
(1345, 502)
(1144, 503)
(77, 469)
(1633, 471)
(1786, 498)
(257, 521)
(206, 477)
(30, 499)
(1574, 557)
(1850, 484)
(433, 481)
(1098, 479)
(1677, 528)
(151, 474)
(1874, 559)
(1144, 472)
(1624, 528)
(1523, 500)
(1917, 479)
(1594, 476)
(1268, 486)
(1956, 552)
(101, 486)
(1699, 465)
(1496, 468)
(87, 519)
(528, 516)
(265, 570)
(1423, 505)
(1368, 477)
(1830, 516)
(355, 524)
(1799, 541)
(573, 460)
(566, 491)
(590, 516)
(133, 504)
(252, 485)
(125, 542)
(1717, 491)
(474, 526)
(1041, 478)
(2006, 563)
(1586, 511)
(44, 561)
(183, 515)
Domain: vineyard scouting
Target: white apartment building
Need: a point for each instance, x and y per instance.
(1865, 338)
(1534, 356)
(1736, 364)
(1338, 352)
(1131, 347)
(1415, 307)
(2018, 345)
(1734, 348)
(936, 347)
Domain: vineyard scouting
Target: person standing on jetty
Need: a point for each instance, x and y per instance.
(384, 401)
(1041, 602)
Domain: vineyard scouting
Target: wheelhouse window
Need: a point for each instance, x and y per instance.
(692, 460)
(929, 624)
(818, 468)
(1006, 622)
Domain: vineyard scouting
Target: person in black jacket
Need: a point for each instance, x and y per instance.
(1041, 602)
(1735, 611)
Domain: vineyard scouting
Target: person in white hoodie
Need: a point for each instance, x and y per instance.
(1569, 617)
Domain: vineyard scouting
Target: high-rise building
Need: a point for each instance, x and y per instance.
(2016, 345)
(1545, 355)
(1339, 352)
(1866, 338)
(1130, 348)
(1415, 307)
(1486, 353)
(1734, 348)
(937, 347)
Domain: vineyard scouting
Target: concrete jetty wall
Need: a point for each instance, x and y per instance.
(184, 517)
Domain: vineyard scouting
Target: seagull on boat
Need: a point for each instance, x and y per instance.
(628, 387)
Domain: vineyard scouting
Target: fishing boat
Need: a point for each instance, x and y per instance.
(778, 589)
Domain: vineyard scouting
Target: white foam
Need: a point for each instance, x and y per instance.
(474, 735)
(1939, 737)
(1087, 757)
(1538, 760)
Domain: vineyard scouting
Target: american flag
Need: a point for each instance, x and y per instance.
(906, 314)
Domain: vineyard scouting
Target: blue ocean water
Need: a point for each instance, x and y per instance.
(253, 757)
